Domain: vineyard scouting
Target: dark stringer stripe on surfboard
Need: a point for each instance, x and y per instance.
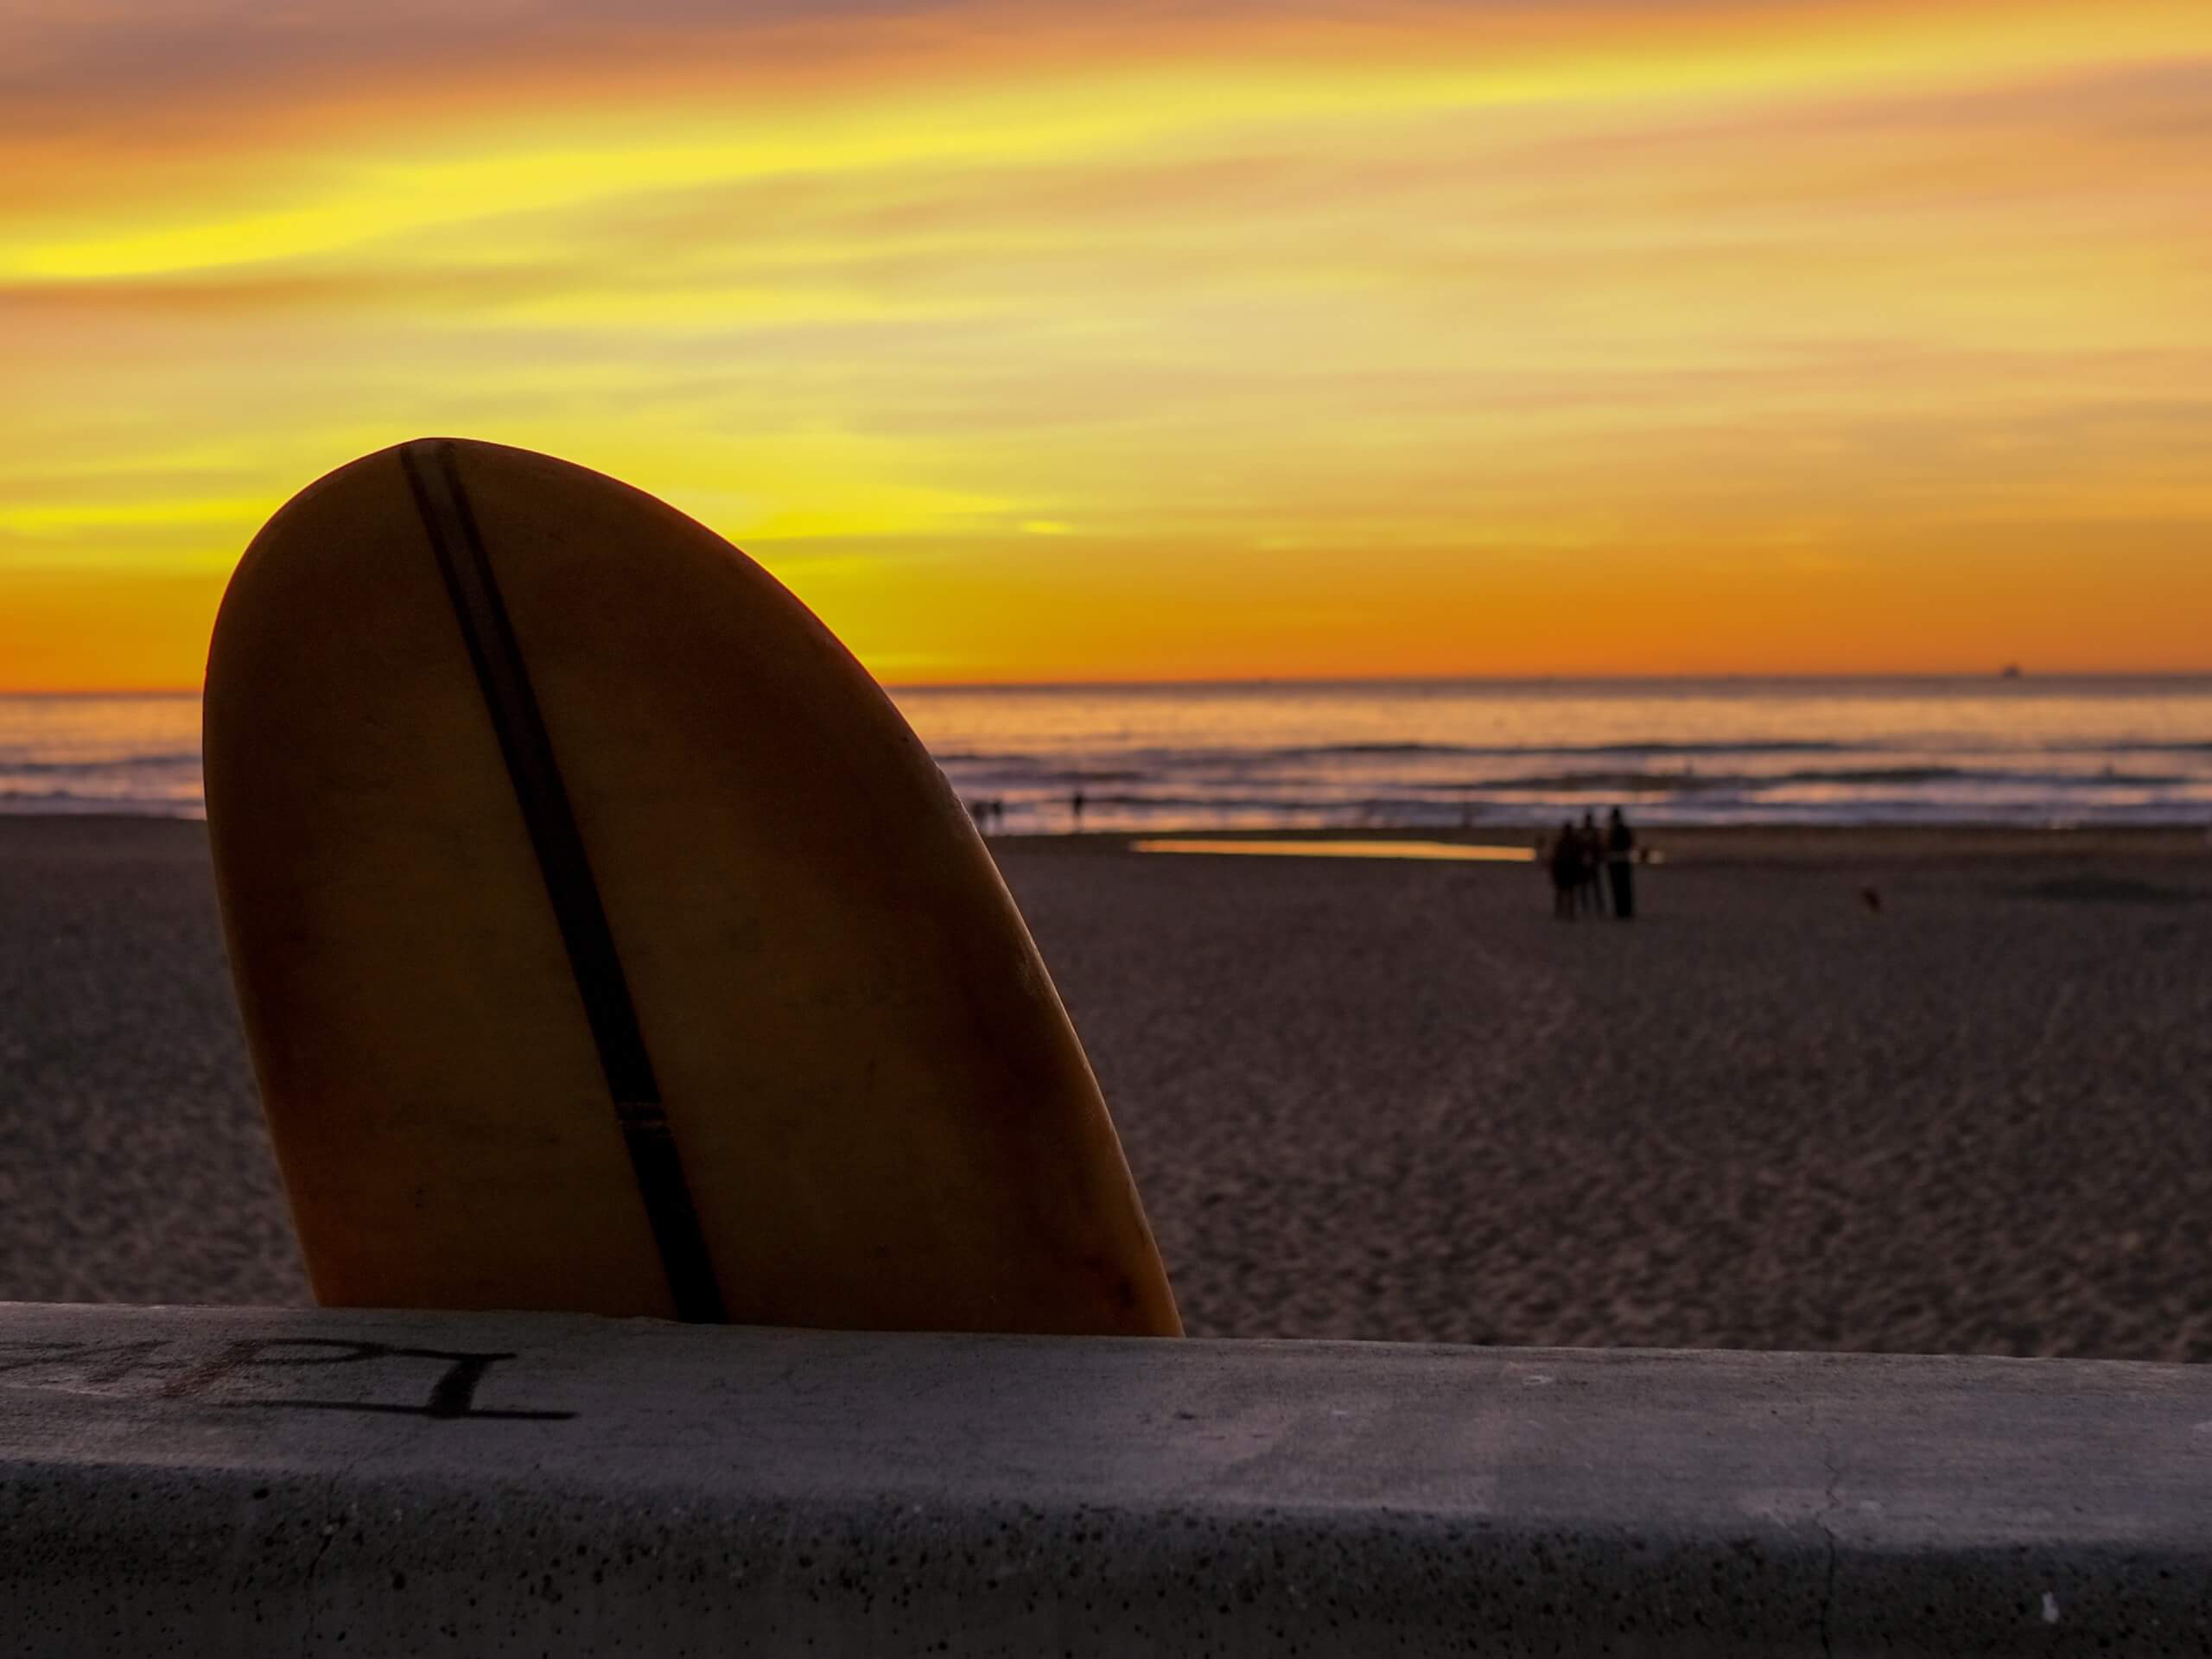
(552, 822)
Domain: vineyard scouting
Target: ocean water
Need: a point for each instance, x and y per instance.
(1413, 755)
(101, 754)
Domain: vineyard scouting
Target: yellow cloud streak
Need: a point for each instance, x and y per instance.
(531, 163)
(70, 518)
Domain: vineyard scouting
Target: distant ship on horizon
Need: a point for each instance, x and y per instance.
(2011, 671)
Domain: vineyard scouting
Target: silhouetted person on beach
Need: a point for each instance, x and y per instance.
(1075, 805)
(1593, 863)
(1620, 864)
(1566, 870)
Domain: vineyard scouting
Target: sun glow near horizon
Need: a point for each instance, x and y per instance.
(1489, 340)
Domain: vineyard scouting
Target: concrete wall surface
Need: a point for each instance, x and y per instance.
(203, 1481)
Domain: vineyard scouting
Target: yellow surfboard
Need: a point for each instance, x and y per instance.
(606, 940)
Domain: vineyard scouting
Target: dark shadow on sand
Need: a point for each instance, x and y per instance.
(2108, 890)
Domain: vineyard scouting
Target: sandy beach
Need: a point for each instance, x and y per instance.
(1390, 1099)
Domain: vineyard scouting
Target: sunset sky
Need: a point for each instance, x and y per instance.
(1058, 342)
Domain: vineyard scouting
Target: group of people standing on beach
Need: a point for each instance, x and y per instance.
(1582, 857)
(989, 813)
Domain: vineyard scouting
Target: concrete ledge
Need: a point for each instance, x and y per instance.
(199, 1481)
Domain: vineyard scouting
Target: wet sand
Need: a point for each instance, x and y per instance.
(1390, 1099)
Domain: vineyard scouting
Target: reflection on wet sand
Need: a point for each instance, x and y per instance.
(1441, 850)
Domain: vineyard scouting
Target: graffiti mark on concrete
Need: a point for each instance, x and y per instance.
(273, 1374)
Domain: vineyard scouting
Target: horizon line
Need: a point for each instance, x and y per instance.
(1979, 677)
